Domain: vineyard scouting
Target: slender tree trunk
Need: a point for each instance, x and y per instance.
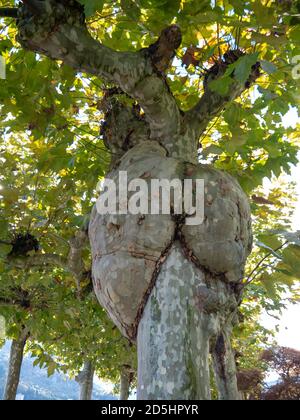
(15, 364)
(125, 382)
(86, 381)
(175, 334)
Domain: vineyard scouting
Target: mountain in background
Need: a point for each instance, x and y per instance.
(35, 384)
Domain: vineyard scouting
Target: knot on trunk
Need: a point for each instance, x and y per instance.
(124, 124)
(210, 301)
(128, 259)
(163, 50)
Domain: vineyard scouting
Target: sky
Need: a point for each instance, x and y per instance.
(288, 334)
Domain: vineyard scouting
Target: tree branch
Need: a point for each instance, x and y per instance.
(75, 260)
(250, 278)
(59, 32)
(163, 50)
(20, 303)
(38, 260)
(5, 242)
(74, 263)
(6, 302)
(6, 12)
(212, 103)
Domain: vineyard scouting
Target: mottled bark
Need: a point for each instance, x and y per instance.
(192, 274)
(86, 381)
(130, 250)
(15, 365)
(185, 312)
(173, 336)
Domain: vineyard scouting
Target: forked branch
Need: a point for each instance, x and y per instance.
(58, 30)
(212, 103)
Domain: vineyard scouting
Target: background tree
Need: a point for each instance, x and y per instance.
(281, 361)
(49, 292)
(286, 363)
(250, 383)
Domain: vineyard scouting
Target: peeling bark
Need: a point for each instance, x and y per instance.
(15, 365)
(86, 381)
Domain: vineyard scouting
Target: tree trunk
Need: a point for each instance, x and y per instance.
(125, 382)
(174, 286)
(86, 381)
(225, 368)
(174, 336)
(15, 364)
(173, 346)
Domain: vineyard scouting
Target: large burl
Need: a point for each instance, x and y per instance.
(129, 250)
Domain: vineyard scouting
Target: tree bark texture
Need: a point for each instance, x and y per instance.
(126, 378)
(15, 365)
(86, 381)
(179, 326)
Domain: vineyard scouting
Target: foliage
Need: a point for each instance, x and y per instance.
(282, 361)
(286, 363)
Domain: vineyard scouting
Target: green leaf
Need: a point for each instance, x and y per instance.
(212, 150)
(221, 85)
(92, 6)
(292, 237)
(268, 67)
(262, 245)
(243, 67)
(131, 9)
(5, 249)
(269, 285)
(232, 115)
(269, 240)
(51, 369)
(238, 5)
